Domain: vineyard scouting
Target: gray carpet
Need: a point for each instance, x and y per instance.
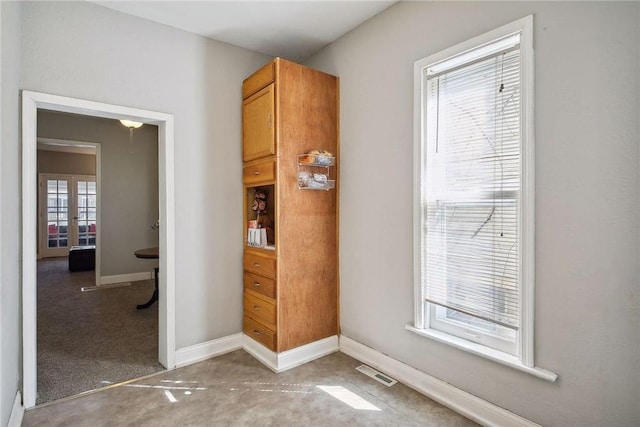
(88, 340)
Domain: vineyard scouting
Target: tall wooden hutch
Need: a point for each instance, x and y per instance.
(291, 280)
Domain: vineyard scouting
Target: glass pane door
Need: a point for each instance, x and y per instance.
(86, 212)
(57, 213)
(68, 212)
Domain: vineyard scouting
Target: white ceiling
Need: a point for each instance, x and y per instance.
(290, 29)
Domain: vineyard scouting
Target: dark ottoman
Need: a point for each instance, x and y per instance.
(82, 258)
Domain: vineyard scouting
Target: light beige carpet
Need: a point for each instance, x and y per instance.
(235, 390)
(88, 340)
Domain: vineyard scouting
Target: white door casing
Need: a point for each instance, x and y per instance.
(31, 102)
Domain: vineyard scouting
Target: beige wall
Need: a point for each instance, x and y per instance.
(129, 184)
(10, 313)
(66, 163)
(587, 71)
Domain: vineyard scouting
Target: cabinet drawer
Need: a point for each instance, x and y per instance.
(259, 264)
(259, 333)
(260, 284)
(260, 309)
(258, 80)
(259, 172)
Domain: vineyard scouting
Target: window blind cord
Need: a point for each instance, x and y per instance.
(501, 91)
(493, 209)
(501, 113)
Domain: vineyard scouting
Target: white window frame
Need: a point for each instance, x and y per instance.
(523, 359)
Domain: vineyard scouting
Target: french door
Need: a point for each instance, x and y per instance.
(68, 213)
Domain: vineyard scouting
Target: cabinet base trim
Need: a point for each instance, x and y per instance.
(279, 362)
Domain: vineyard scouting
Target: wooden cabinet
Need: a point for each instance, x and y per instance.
(258, 128)
(290, 286)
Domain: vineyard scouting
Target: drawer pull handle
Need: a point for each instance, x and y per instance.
(256, 307)
(256, 284)
(256, 172)
(256, 265)
(256, 332)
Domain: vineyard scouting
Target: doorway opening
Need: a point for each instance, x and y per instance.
(31, 103)
(90, 334)
(68, 197)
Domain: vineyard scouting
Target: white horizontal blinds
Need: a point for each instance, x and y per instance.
(472, 191)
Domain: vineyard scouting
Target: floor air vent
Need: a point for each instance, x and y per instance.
(378, 376)
(102, 287)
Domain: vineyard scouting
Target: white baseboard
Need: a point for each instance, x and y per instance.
(260, 352)
(119, 278)
(464, 403)
(279, 362)
(198, 352)
(17, 412)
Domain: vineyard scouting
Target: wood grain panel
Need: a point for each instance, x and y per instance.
(262, 285)
(259, 264)
(307, 285)
(337, 190)
(258, 80)
(259, 333)
(307, 105)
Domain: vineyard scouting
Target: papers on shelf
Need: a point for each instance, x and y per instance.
(257, 237)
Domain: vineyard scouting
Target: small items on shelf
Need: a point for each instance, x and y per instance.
(314, 181)
(317, 158)
(260, 227)
(314, 170)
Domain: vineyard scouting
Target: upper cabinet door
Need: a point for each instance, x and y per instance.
(258, 124)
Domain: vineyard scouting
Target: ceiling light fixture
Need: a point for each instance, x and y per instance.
(131, 124)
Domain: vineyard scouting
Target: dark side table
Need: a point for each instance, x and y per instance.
(149, 253)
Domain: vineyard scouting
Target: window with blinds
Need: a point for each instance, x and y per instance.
(471, 194)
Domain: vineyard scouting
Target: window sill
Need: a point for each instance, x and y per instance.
(482, 351)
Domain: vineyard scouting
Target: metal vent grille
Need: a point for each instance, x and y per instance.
(378, 376)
